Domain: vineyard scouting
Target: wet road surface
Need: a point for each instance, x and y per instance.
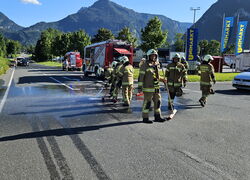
(54, 125)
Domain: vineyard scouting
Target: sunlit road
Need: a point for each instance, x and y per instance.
(54, 125)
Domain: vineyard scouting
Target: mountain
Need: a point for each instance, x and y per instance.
(7, 25)
(103, 13)
(210, 24)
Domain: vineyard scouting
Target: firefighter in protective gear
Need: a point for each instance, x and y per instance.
(206, 72)
(118, 81)
(143, 60)
(185, 63)
(108, 74)
(149, 83)
(126, 75)
(112, 78)
(176, 74)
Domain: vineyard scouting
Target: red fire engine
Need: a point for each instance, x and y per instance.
(72, 61)
(98, 56)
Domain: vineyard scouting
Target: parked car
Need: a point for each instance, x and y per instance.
(242, 80)
(22, 62)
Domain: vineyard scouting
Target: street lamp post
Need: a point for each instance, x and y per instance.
(195, 9)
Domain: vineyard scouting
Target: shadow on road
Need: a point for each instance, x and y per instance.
(233, 92)
(45, 70)
(64, 131)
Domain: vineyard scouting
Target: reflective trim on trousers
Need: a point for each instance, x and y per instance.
(174, 84)
(205, 83)
(148, 90)
(140, 83)
(127, 83)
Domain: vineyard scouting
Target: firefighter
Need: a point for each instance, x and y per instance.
(118, 81)
(143, 60)
(149, 85)
(108, 75)
(175, 74)
(112, 78)
(206, 72)
(126, 75)
(185, 63)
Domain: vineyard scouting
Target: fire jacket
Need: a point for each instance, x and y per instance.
(206, 71)
(126, 74)
(108, 74)
(149, 78)
(175, 72)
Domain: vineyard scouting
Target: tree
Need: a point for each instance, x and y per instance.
(78, 41)
(203, 45)
(126, 35)
(44, 47)
(214, 48)
(12, 47)
(2, 46)
(179, 43)
(152, 35)
(230, 49)
(103, 35)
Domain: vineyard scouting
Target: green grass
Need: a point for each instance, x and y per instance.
(4, 65)
(50, 63)
(195, 78)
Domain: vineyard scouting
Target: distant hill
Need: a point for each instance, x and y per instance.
(103, 13)
(7, 25)
(210, 24)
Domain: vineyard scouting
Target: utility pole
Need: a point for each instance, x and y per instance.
(195, 9)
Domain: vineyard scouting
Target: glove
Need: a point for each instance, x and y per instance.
(214, 81)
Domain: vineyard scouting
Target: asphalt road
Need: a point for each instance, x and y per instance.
(54, 125)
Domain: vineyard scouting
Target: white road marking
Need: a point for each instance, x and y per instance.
(71, 79)
(6, 92)
(67, 78)
(64, 84)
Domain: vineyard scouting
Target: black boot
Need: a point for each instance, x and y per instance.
(202, 102)
(147, 121)
(158, 118)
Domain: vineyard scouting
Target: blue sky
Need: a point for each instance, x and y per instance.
(29, 12)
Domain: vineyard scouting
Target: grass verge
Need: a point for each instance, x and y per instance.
(4, 65)
(195, 78)
(50, 63)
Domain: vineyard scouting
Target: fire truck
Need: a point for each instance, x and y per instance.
(72, 61)
(98, 56)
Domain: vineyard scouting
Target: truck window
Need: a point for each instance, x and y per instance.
(87, 55)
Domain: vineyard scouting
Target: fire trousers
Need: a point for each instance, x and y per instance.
(148, 98)
(205, 89)
(127, 93)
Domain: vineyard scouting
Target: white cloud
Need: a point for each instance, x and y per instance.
(31, 2)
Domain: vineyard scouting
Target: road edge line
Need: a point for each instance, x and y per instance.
(7, 91)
